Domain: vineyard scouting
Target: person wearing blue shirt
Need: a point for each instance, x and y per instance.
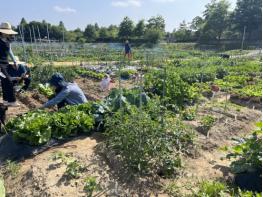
(66, 93)
(127, 50)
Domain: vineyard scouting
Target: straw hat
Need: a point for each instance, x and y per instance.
(6, 28)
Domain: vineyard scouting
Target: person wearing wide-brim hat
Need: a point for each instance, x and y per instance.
(6, 34)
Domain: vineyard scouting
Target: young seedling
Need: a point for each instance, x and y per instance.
(90, 186)
(11, 168)
(207, 122)
(74, 169)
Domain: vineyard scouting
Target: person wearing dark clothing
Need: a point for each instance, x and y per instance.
(66, 93)
(127, 50)
(6, 33)
(20, 73)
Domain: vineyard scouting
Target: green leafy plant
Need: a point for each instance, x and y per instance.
(189, 114)
(32, 128)
(127, 73)
(220, 189)
(89, 73)
(71, 123)
(221, 72)
(144, 144)
(74, 169)
(62, 157)
(37, 127)
(248, 152)
(11, 168)
(90, 186)
(170, 86)
(212, 189)
(45, 90)
(125, 98)
(207, 122)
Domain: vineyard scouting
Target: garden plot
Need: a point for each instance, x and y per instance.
(42, 176)
(162, 136)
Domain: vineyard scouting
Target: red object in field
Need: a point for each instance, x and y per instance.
(214, 88)
(112, 81)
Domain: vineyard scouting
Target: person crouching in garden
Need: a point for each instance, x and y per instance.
(19, 73)
(66, 93)
(6, 34)
(105, 83)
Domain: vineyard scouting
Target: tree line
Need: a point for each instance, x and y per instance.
(217, 22)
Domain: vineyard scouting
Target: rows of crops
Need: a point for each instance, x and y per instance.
(145, 127)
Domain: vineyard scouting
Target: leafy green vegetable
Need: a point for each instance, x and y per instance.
(90, 186)
(37, 127)
(33, 128)
(45, 90)
(248, 152)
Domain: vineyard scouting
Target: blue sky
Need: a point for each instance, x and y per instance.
(79, 13)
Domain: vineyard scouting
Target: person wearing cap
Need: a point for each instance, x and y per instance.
(19, 73)
(66, 93)
(127, 50)
(6, 34)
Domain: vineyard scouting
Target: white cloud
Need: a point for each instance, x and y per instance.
(126, 3)
(64, 9)
(164, 1)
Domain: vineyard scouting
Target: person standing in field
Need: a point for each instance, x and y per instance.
(127, 50)
(6, 34)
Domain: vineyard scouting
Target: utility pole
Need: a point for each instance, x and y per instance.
(23, 42)
(39, 36)
(49, 44)
(243, 38)
(34, 36)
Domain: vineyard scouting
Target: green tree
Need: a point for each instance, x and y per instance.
(90, 33)
(61, 25)
(126, 28)
(113, 32)
(23, 22)
(216, 18)
(103, 33)
(196, 27)
(248, 13)
(79, 36)
(139, 29)
(153, 36)
(183, 34)
(157, 23)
